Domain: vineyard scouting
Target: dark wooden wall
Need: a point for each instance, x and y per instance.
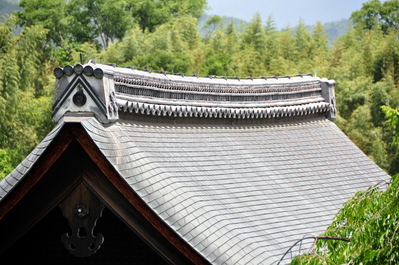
(42, 244)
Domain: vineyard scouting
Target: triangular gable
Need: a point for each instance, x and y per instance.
(76, 93)
(83, 90)
(71, 160)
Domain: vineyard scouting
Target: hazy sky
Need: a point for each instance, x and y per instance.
(286, 12)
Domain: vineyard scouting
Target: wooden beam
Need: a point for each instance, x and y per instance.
(52, 153)
(41, 198)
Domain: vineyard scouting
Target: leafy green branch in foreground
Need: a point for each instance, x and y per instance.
(371, 220)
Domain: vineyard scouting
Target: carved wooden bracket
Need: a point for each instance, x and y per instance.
(82, 209)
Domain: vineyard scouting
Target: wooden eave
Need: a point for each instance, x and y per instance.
(73, 158)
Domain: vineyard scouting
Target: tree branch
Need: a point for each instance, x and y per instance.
(346, 239)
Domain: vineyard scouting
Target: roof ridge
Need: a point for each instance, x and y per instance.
(141, 69)
(112, 89)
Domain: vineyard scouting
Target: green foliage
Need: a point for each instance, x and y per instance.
(370, 219)
(25, 94)
(211, 25)
(386, 62)
(217, 64)
(150, 14)
(7, 158)
(377, 14)
(5, 38)
(393, 121)
(165, 61)
(380, 97)
(352, 94)
(254, 35)
(91, 19)
(303, 42)
(50, 14)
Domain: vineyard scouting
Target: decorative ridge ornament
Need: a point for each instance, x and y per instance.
(78, 69)
(82, 89)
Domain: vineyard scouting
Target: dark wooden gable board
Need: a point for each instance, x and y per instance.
(73, 158)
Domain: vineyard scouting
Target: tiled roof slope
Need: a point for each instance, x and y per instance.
(239, 194)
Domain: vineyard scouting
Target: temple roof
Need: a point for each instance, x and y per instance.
(251, 167)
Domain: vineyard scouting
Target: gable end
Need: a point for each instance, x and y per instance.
(80, 162)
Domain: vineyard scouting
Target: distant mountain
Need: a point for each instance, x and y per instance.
(333, 29)
(337, 28)
(7, 7)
